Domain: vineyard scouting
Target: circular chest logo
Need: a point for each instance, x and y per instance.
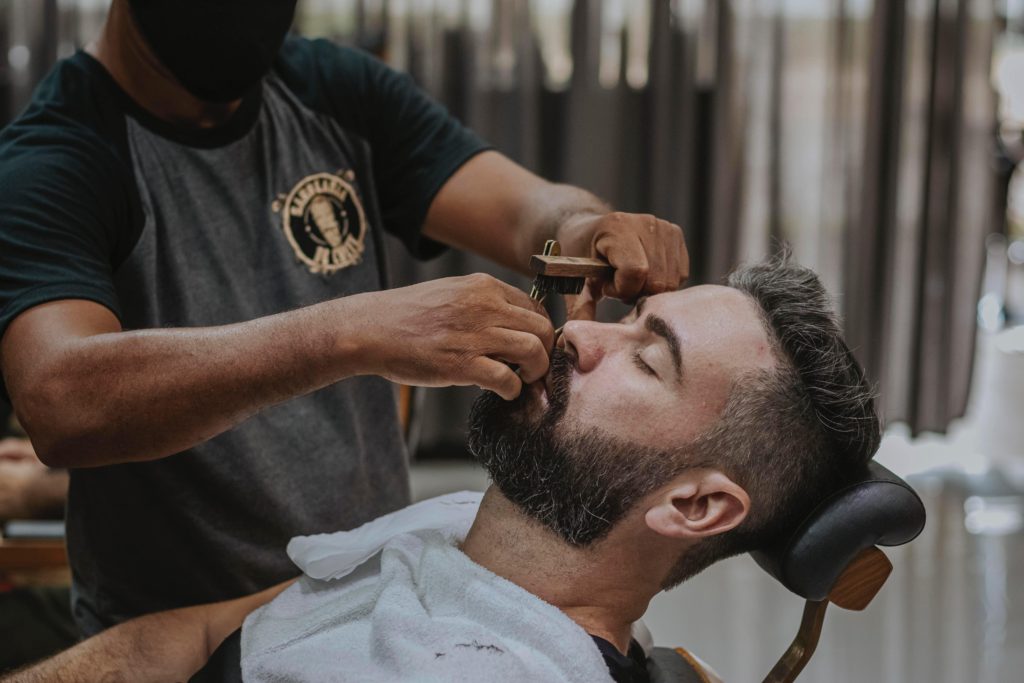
(324, 222)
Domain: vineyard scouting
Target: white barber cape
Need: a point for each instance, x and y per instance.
(396, 600)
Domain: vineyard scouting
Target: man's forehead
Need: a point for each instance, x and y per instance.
(722, 318)
(709, 299)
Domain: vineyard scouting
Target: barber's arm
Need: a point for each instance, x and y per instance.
(166, 646)
(90, 394)
(496, 208)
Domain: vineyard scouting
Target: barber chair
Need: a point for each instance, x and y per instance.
(832, 557)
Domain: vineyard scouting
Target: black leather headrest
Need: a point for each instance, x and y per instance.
(877, 508)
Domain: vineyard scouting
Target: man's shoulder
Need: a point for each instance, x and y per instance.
(303, 56)
(71, 125)
(345, 82)
(66, 180)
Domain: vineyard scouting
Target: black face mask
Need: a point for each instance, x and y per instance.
(217, 49)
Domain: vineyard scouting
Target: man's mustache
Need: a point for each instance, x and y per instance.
(557, 382)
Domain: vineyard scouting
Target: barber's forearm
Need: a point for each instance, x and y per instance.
(498, 209)
(142, 395)
(551, 213)
(224, 618)
(167, 646)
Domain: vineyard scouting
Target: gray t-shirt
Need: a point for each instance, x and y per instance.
(281, 207)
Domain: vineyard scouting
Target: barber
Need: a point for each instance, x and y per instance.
(191, 263)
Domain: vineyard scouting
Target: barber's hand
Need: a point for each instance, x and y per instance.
(457, 331)
(14, 448)
(648, 254)
(16, 479)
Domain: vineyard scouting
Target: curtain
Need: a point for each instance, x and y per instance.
(915, 251)
(856, 131)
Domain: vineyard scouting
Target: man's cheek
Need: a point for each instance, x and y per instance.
(581, 415)
(619, 414)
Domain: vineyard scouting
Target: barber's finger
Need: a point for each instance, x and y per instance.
(521, 320)
(522, 349)
(660, 277)
(13, 448)
(521, 299)
(628, 258)
(584, 305)
(493, 375)
(676, 263)
(682, 257)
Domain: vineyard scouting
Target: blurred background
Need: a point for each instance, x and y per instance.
(881, 140)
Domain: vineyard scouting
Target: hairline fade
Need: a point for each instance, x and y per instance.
(792, 433)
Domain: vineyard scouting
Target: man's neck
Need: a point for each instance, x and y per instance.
(604, 588)
(124, 53)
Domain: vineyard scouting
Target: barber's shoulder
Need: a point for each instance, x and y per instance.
(62, 185)
(76, 102)
(60, 153)
(69, 147)
(70, 140)
(347, 83)
(302, 58)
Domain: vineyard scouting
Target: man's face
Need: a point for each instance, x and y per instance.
(661, 376)
(579, 448)
(217, 49)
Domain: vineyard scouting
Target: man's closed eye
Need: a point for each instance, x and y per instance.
(642, 364)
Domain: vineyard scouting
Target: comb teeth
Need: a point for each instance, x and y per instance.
(543, 284)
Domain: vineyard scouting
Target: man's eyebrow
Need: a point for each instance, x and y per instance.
(658, 326)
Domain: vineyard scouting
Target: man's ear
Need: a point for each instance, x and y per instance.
(700, 503)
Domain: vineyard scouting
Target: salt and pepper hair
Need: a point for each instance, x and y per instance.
(790, 435)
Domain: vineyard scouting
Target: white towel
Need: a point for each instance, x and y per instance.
(332, 556)
(410, 606)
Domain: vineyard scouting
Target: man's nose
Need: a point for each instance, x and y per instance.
(588, 341)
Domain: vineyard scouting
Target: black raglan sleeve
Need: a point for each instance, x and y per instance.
(63, 209)
(416, 144)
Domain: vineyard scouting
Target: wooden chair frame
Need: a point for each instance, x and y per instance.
(855, 588)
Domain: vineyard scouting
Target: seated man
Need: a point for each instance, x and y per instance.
(702, 425)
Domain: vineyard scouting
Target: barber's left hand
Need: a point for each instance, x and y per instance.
(648, 254)
(17, 449)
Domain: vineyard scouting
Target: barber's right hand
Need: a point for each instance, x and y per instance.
(459, 331)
